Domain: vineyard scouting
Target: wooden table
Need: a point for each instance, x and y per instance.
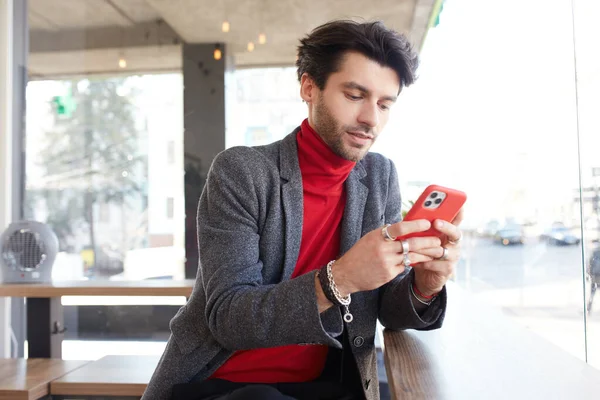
(45, 321)
(22, 379)
(480, 354)
(109, 376)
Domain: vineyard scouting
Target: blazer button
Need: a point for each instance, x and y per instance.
(359, 341)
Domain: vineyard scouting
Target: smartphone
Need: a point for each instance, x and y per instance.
(436, 202)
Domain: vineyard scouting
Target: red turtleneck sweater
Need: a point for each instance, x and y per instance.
(323, 177)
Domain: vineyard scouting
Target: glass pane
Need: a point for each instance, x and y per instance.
(493, 114)
(587, 33)
(267, 106)
(104, 164)
(99, 175)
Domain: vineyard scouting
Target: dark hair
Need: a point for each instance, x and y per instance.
(320, 53)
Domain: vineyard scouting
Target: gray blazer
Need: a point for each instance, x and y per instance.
(249, 231)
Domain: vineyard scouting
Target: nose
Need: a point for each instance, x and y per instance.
(369, 115)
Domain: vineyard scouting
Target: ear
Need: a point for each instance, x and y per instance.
(307, 88)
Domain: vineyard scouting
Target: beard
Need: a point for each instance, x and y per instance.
(333, 132)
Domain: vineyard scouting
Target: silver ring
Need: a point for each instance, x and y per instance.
(457, 240)
(405, 247)
(445, 255)
(407, 261)
(386, 234)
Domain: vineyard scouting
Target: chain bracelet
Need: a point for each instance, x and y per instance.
(338, 296)
(345, 301)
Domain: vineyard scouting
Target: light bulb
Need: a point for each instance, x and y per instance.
(225, 26)
(250, 46)
(217, 54)
(262, 38)
(122, 63)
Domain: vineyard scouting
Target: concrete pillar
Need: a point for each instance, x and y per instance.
(204, 81)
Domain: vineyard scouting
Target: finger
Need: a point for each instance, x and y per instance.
(404, 228)
(419, 243)
(394, 246)
(433, 252)
(414, 258)
(390, 246)
(451, 231)
(444, 268)
(436, 253)
(459, 217)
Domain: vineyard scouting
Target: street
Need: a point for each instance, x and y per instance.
(537, 285)
(531, 264)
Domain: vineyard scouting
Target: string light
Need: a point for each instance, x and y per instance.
(122, 61)
(262, 38)
(217, 54)
(225, 26)
(250, 46)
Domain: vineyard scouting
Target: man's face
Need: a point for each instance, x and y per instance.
(353, 108)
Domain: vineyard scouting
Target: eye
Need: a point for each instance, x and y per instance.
(353, 98)
(384, 107)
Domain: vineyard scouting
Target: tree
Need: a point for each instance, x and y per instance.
(91, 155)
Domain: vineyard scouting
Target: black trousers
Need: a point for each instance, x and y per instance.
(340, 380)
(217, 389)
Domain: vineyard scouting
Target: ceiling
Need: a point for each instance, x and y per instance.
(89, 36)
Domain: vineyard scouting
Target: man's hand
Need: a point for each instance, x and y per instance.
(374, 261)
(431, 276)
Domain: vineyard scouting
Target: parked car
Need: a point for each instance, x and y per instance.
(561, 236)
(509, 235)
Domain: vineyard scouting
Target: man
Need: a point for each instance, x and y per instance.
(297, 262)
(593, 275)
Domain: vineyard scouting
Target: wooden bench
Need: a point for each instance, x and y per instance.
(110, 376)
(29, 379)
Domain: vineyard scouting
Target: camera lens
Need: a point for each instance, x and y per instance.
(427, 203)
(433, 195)
(438, 201)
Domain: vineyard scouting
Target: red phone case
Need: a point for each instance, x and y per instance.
(447, 210)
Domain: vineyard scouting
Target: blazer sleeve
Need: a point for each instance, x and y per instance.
(241, 311)
(396, 310)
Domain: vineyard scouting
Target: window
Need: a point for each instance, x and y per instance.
(267, 106)
(500, 122)
(95, 155)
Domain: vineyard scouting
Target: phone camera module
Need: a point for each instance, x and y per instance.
(427, 203)
(438, 201)
(433, 195)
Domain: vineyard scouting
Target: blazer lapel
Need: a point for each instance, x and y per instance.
(356, 199)
(292, 201)
(293, 204)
